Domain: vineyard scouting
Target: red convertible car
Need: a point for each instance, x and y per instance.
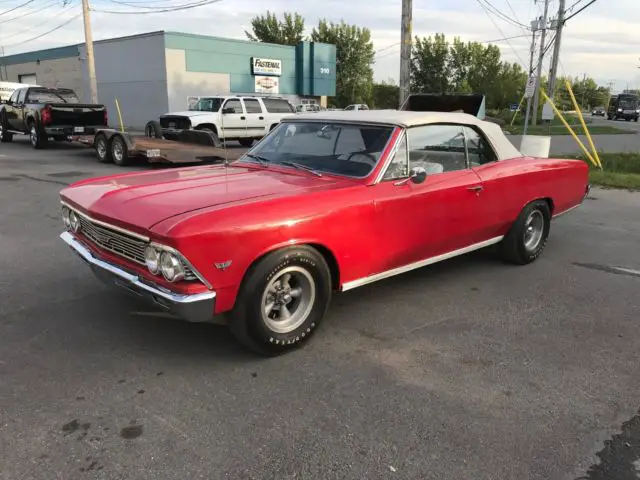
(326, 202)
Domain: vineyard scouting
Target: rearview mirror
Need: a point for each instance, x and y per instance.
(226, 110)
(418, 175)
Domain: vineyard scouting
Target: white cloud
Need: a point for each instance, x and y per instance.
(601, 41)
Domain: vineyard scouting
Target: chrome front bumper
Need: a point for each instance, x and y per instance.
(193, 308)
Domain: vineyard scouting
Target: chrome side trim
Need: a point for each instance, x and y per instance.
(422, 263)
(104, 224)
(568, 210)
(198, 307)
(185, 261)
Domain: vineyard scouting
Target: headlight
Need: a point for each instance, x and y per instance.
(65, 217)
(171, 267)
(152, 259)
(619, 109)
(74, 222)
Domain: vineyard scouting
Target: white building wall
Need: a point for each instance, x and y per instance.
(61, 72)
(182, 84)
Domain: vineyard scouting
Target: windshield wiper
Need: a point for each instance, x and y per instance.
(262, 160)
(300, 167)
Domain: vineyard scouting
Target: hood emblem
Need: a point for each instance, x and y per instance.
(223, 265)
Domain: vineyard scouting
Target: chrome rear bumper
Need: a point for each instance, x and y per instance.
(193, 308)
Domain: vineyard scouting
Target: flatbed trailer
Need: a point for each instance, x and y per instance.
(195, 146)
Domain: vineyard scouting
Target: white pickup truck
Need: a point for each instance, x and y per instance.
(241, 118)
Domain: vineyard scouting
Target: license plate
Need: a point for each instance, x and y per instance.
(153, 153)
(628, 112)
(78, 129)
(172, 125)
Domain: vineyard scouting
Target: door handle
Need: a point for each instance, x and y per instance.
(476, 188)
(242, 118)
(260, 118)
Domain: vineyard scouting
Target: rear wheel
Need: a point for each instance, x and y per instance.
(528, 235)
(119, 151)
(282, 301)
(37, 137)
(102, 148)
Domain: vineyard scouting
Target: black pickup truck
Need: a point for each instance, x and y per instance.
(44, 113)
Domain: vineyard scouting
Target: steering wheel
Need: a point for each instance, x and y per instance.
(371, 159)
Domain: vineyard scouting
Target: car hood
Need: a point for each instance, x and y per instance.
(187, 113)
(139, 201)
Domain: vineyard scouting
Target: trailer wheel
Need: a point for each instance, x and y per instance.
(102, 148)
(119, 151)
(246, 142)
(153, 129)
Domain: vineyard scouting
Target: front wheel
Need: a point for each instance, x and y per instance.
(5, 135)
(282, 301)
(528, 235)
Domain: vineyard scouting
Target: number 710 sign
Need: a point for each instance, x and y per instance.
(324, 70)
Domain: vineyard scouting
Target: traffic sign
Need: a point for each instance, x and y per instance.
(514, 107)
(530, 89)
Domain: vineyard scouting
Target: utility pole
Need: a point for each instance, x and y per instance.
(553, 73)
(536, 96)
(534, 28)
(405, 50)
(88, 40)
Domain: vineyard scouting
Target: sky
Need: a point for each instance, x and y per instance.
(602, 42)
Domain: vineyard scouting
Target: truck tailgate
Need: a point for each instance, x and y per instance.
(77, 114)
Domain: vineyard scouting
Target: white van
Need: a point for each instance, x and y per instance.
(7, 88)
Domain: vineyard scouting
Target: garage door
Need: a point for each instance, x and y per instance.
(29, 78)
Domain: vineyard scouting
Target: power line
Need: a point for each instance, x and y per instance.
(30, 12)
(501, 32)
(16, 8)
(160, 10)
(583, 8)
(45, 33)
(35, 27)
(503, 16)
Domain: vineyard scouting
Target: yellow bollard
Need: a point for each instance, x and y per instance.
(584, 125)
(516, 114)
(119, 116)
(573, 134)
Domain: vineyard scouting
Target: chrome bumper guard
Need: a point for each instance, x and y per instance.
(197, 307)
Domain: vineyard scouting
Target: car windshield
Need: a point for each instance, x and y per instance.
(348, 149)
(208, 104)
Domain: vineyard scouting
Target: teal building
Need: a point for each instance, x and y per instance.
(154, 73)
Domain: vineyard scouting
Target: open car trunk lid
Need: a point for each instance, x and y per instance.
(471, 103)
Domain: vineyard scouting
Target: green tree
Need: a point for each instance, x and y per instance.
(354, 58)
(430, 65)
(385, 95)
(268, 29)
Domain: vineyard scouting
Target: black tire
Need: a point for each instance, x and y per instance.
(214, 135)
(153, 129)
(119, 151)
(101, 145)
(37, 137)
(5, 136)
(246, 142)
(306, 268)
(514, 247)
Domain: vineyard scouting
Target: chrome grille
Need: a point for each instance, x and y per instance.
(121, 244)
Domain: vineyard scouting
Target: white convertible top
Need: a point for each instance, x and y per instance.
(503, 147)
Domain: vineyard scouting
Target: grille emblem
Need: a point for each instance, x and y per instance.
(223, 265)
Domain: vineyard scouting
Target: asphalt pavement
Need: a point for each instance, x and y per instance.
(470, 369)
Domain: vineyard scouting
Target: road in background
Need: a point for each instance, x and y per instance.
(467, 369)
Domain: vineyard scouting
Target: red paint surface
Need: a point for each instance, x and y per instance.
(212, 215)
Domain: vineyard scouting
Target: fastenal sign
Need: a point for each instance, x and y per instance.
(266, 66)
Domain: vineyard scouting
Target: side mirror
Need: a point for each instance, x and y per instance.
(418, 175)
(226, 110)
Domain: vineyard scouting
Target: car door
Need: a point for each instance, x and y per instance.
(234, 120)
(419, 221)
(255, 117)
(10, 111)
(21, 106)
